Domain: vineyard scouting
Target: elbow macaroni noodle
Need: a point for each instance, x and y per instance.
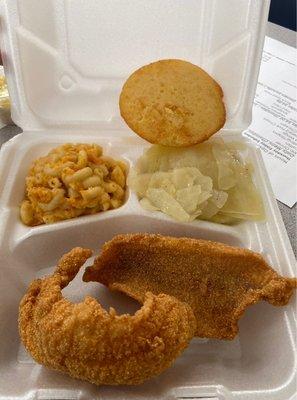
(72, 180)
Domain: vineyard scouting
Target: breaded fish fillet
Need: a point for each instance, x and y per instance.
(219, 282)
(87, 342)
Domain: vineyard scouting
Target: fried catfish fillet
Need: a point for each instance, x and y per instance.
(219, 282)
(89, 343)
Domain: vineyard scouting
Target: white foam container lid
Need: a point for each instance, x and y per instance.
(65, 63)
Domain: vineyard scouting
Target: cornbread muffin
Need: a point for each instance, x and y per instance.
(172, 103)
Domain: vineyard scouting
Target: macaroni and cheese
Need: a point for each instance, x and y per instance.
(72, 180)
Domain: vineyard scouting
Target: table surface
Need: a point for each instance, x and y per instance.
(289, 214)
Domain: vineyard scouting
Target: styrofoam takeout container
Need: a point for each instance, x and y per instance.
(65, 63)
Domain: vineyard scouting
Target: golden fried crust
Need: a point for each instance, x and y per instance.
(87, 342)
(172, 103)
(219, 282)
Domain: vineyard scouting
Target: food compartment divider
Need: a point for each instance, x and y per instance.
(79, 230)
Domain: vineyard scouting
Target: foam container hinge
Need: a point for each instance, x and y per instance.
(65, 63)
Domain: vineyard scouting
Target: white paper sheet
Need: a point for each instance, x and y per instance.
(274, 126)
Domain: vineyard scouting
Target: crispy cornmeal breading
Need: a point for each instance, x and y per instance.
(173, 103)
(218, 281)
(90, 343)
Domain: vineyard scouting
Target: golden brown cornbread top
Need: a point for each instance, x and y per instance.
(173, 103)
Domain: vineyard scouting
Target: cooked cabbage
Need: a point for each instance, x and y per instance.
(209, 181)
